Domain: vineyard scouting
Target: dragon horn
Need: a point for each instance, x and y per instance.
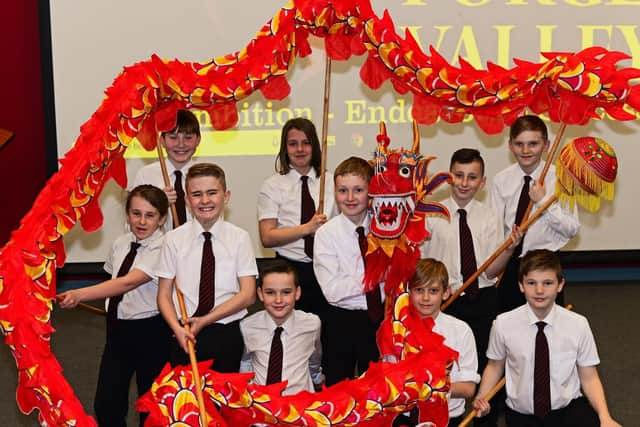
(383, 138)
(416, 138)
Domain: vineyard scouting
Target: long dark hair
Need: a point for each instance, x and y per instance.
(302, 124)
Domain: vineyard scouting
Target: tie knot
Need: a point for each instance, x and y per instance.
(527, 180)
(135, 246)
(360, 231)
(304, 179)
(541, 325)
(207, 235)
(177, 173)
(278, 331)
(462, 213)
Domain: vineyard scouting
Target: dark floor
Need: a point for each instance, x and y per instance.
(609, 307)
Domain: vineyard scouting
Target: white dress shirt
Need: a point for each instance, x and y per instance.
(302, 351)
(457, 335)
(152, 174)
(571, 344)
(444, 243)
(181, 257)
(138, 303)
(279, 198)
(557, 225)
(338, 265)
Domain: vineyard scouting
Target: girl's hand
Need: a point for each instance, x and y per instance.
(315, 222)
(183, 337)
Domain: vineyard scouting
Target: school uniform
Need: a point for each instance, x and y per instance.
(138, 340)
(571, 344)
(152, 174)
(302, 351)
(478, 311)
(557, 225)
(180, 259)
(280, 198)
(349, 335)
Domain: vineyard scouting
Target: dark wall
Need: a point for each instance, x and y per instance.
(23, 160)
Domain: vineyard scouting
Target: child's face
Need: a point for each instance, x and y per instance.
(468, 179)
(427, 298)
(352, 196)
(143, 218)
(299, 151)
(279, 294)
(180, 147)
(206, 198)
(528, 147)
(540, 288)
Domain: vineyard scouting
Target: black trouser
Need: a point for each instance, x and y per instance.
(348, 342)
(133, 346)
(312, 299)
(578, 413)
(221, 342)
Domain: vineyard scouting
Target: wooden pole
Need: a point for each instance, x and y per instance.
(86, 307)
(325, 129)
(496, 388)
(183, 310)
(525, 225)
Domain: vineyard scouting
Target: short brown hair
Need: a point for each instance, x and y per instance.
(283, 166)
(429, 270)
(207, 169)
(278, 265)
(540, 259)
(186, 122)
(354, 166)
(465, 156)
(528, 122)
(151, 194)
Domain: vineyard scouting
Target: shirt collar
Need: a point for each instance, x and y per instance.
(287, 325)
(197, 229)
(146, 242)
(533, 319)
(454, 206)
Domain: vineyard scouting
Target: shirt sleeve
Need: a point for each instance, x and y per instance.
(498, 204)
(315, 367)
(587, 350)
(496, 349)
(467, 358)
(245, 257)
(268, 204)
(166, 265)
(245, 362)
(108, 262)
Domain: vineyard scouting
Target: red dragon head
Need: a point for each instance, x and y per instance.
(398, 192)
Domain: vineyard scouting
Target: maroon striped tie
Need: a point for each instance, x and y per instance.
(307, 210)
(274, 371)
(468, 264)
(206, 295)
(541, 380)
(127, 262)
(523, 203)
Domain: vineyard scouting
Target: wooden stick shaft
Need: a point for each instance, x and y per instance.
(525, 225)
(86, 307)
(325, 130)
(183, 309)
(192, 358)
(496, 388)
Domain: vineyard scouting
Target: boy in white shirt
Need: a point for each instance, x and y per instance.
(547, 354)
(180, 143)
(528, 141)
(353, 316)
(211, 261)
(280, 329)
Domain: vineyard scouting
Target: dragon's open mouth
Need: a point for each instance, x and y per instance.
(390, 215)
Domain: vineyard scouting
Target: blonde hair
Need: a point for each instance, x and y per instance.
(429, 270)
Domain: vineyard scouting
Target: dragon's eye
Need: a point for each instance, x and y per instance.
(382, 168)
(404, 172)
